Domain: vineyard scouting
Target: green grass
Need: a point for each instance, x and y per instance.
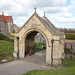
(69, 62)
(62, 71)
(11, 59)
(70, 70)
(6, 46)
(0, 57)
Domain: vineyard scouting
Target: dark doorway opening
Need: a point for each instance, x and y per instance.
(34, 42)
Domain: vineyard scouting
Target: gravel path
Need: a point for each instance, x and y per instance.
(19, 67)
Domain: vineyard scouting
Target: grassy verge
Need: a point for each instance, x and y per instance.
(9, 58)
(70, 70)
(69, 62)
(6, 46)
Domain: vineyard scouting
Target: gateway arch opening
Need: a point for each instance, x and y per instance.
(35, 43)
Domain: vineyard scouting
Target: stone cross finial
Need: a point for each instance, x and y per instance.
(44, 13)
(35, 9)
(2, 13)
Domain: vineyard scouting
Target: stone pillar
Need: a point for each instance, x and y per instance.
(48, 55)
(22, 48)
(15, 47)
(63, 45)
(56, 53)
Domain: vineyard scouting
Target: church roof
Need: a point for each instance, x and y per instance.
(6, 18)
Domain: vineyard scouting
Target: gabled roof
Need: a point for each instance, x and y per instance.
(46, 23)
(6, 18)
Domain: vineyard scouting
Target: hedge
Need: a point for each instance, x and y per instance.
(39, 45)
(3, 37)
(70, 36)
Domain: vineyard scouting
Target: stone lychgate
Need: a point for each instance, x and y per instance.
(54, 39)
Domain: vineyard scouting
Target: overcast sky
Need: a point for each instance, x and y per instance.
(60, 12)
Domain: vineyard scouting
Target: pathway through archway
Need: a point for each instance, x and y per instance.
(37, 58)
(35, 52)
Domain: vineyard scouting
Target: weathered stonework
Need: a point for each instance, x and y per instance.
(6, 25)
(29, 30)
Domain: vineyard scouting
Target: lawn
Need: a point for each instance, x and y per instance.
(5, 50)
(6, 46)
(70, 70)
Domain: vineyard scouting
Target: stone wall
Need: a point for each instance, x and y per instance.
(70, 41)
(3, 27)
(6, 27)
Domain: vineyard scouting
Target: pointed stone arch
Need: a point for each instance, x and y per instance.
(47, 42)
